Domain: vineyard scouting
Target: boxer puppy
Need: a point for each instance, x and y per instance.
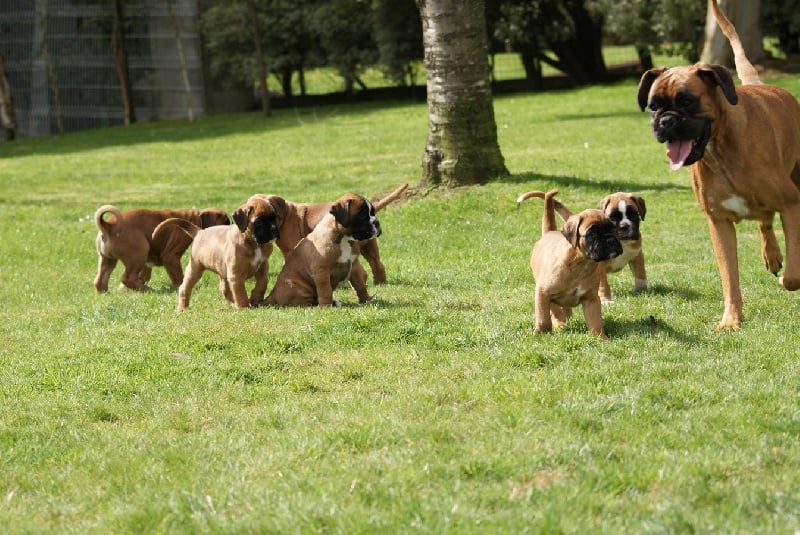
(301, 218)
(743, 146)
(234, 252)
(127, 236)
(625, 211)
(325, 257)
(565, 265)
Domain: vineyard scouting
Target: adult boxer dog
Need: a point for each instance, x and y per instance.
(301, 218)
(743, 146)
(324, 258)
(127, 236)
(626, 212)
(234, 252)
(565, 265)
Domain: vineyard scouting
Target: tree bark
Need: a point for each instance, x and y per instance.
(121, 63)
(261, 65)
(8, 118)
(462, 143)
(182, 59)
(745, 16)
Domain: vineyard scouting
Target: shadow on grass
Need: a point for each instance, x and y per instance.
(598, 184)
(181, 130)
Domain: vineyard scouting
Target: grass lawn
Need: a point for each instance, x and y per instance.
(433, 409)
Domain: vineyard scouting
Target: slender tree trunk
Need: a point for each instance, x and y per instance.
(121, 63)
(182, 59)
(50, 66)
(745, 15)
(462, 143)
(8, 118)
(263, 90)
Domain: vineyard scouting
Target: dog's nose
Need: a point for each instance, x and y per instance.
(668, 122)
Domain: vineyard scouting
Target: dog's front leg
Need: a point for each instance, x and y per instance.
(723, 240)
(592, 313)
(236, 285)
(358, 280)
(544, 323)
(322, 282)
(261, 276)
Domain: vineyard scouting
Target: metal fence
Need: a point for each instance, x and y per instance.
(61, 68)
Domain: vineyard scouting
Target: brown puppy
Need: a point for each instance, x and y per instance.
(625, 211)
(234, 252)
(565, 265)
(325, 257)
(301, 218)
(743, 145)
(127, 236)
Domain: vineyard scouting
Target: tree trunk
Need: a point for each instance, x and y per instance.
(462, 143)
(8, 118)
(263, 89)
(580, 56)
(121, 63)
(182, 59)
(745, 16)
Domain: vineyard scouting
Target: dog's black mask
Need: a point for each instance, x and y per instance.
(626, 224)
(602, 242)
(265, 229)
(680, 125)
(364, 225)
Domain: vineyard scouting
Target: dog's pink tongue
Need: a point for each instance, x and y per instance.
(677, 152)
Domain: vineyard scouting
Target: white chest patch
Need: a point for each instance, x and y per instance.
(737, 205)
(257, 257)
(347, 256)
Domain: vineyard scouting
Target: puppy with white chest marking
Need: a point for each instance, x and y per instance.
(742, 144)
(626, 212)
(325, 257)
(234, 252)
(300, 218)
(565, 265)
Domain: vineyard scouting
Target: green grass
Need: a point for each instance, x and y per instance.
(436, 408)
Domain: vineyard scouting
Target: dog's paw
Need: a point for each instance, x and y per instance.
(337, 303)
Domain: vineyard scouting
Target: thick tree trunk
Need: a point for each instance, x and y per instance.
(745, 16)
(121, 63)
(8, 118)
(462, 143)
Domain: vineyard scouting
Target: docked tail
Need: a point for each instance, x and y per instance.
(744, 69)
(550, 207)
(380, 204)
(188, 227)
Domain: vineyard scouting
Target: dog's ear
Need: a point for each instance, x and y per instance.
(719, 76)
(278, 206)
(646, 82)
(242, 217)
(570, 230)
(603, 204)
(640, 206)
(341, 211)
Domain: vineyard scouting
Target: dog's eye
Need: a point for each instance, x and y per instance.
(683, 100)
(615, 216)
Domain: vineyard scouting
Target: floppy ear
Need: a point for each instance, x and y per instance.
(603, 204)
(278, 206)
(241, 217)
(640, 206)
(646, 82)
(341, 211)
(570, 230)
(719, 76)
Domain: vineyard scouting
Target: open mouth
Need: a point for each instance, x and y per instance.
(682, 152)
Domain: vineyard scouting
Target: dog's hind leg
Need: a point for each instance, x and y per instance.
(105, 266)
(790, 218)
(770, 250)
